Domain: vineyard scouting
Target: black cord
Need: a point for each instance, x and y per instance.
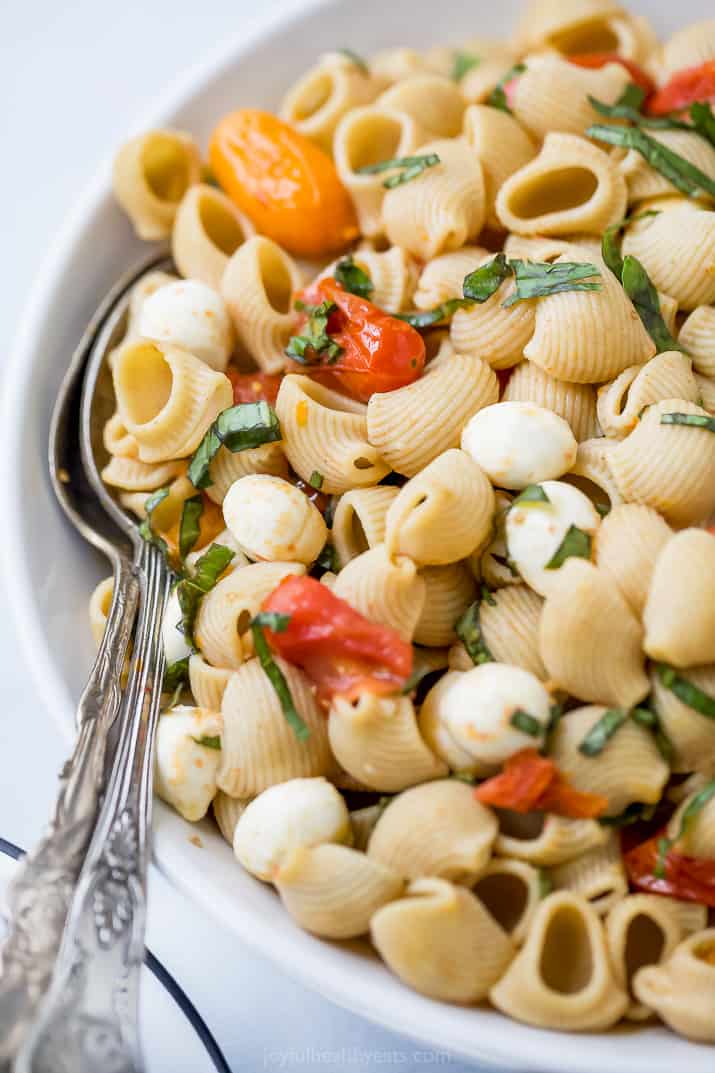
(165, 978)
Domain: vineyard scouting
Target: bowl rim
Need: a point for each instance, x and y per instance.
(558, 1052)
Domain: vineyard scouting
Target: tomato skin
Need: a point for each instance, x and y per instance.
(683, 89)
(284, 183)
(252, 387)
(531, 782)
(380, 352)
(596, 60)
(691, 879)
(340, 650)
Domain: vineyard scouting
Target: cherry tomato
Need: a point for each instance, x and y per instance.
(691, 879)
(284, 183)
(683, 89)
(340, 650)
(251, 387)
(531, 782)
(379, 352)
(596, 60)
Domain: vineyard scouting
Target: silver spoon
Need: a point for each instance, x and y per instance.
(88, 1018)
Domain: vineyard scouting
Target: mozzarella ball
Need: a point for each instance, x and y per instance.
(191, 315)
(300, 812)
(176, 646)
(479, 704)
(535, 531)
(518, 443)
(186, 770)
(274, 521)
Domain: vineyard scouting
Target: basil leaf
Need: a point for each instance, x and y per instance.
(686, 692)
(328, 558)
(602, 731)
(315, 341)
(497, 97)
(640, 290)
(693, 420)
(353, 278)
(633, 813)
(611, 250)
(329, 515)
(532, 495)
(526, 723)
(434, 316)
(354, 58)
(239, 428)
(487, 596)
(191, 590)
(703, 119)
(275, 674)
(208, 741)
(146, 529)
(316, 480)
(272, 620)
(469, 632)
(176, 674)
(535, 280)
(463, 63)
(628, 104)
(696, 806)
(409, 167)
(483, 282)
(190, 525)
(683, 175)
(576, 544)
(189, 597)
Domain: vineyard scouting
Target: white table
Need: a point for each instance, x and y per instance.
(72, 78)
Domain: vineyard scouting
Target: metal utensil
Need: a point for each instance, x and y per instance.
(88, 1017)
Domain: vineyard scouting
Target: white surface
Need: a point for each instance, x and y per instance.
(72, 79)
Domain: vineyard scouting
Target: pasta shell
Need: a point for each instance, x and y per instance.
(553, 95)
(151, 174)
(323, 95)
(591, 473)
(641, 929)
(666, 376)
(546, 840)
(442, 277)
(628, 542)
(134, 476)
(441, 941)
(549, 22)
(384, 590)
(449, 592)
(433, 101)
(412, 425)
(511, 891)
(207, 231)
(333, 891)
(502, 145)
(376, 740)
(99, 604)
(590, 639)
(510, 628)
(227, 467)
(598, 876)
(689, 732)
(497, 334)
(697, 335)
(117, 440)
(227, 812)
(690, 46)
(682, 991)
(576, 403)
(359, 520)
(393, 274)
(207, 683)
(562, 977)
(363, 822)
(706, 387)
(677, 249)
(258, 746)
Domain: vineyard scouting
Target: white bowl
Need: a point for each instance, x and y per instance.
(50, 571)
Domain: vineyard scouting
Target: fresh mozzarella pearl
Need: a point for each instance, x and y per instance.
(535, 531)
(300, 812)
(518, 443)
(185, 770)
(273, 520)
(176, 646)
(479, 704)
(191, 315)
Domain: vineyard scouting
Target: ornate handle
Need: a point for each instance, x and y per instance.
(88, 1019)
(41, 891)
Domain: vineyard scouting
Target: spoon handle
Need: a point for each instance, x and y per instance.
(88, 1019)
(39, 896)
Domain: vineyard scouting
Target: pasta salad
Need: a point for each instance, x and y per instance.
(424, 424)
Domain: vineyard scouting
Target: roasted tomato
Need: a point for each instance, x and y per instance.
(284, 183)
(683, 89)
(596, 60)
(377, 352)
(531, 782)
(251, 387)
(687, 878)
(340, 650)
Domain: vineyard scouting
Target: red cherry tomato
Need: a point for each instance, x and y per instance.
(379, 352)
(531, 782)
(251, 387)
(691, 879)
(340, 650)
(596, 60)
(684, 88)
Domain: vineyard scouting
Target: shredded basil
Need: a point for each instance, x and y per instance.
(641, 291)
(463, 63)
(359, 62)
(497, 97)
(533, 495)
(703, 119)
(328, 558)
(208, 741)
(683, 175)
(627, 106)
(693, 420)
(329, 515)
(636, 812)
(469, 632)
(191, 590)
(686, 692)
(315, 341)
(611, 250)
(146, 529)
(316, 480)
(353, 278)
(487, 596)
(527, 724)
(277, 623)
(696, 806)
(602, 731)
(576, 544)
(405, 167)
(176, 675)
(483, 282)
(431, 317)
(534, 280)
(240, 428)
(190, 525)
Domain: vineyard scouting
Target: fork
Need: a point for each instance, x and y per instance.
(88, 1017)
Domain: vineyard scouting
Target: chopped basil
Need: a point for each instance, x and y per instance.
(359, 62)
(694, 420)
(330, 511)
(703, 119)
(627, 106)
(555, 716)
(431, 317)
(316, 480)
(683, 175)
(526, 723)
(272, 620)
(315, 340)
(641, 291)
(602, 731)
(146, 529)
(190, 525)
(696, 806)
(648, 719)
(469, 632)
(208, 741)
(191, 590)
(483, 282)
(487, 596)
(273, 671)
(686, 692)
(545, 883)
(353, 278)
(175, 675)
(534, 280)
(611, 250)
(406, 168)
(636, 812)
(328, 558)
(576, 544)
(497, 97)
(532, 495)
(463, 63)
(240, 428)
